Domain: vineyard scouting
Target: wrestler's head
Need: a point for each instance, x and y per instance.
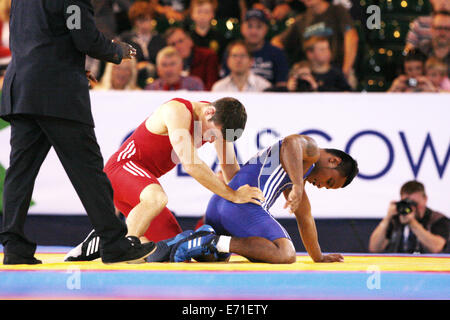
(335, 169)
(224, 119)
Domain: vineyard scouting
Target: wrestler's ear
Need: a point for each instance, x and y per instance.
(209, 112)
(334, 161)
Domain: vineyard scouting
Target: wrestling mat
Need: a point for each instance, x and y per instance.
(365, 277)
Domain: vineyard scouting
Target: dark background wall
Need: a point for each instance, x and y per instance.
(335, 235)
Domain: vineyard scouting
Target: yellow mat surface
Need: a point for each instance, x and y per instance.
(54, 262)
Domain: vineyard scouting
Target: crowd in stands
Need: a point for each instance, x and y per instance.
(271, 45)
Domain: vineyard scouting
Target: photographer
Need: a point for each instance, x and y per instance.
(414, 79)
(300, 79)
(409, 226)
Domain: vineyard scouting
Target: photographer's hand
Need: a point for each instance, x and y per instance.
(408, 218)
(392, 210)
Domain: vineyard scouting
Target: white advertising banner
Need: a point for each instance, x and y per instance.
(394, 137)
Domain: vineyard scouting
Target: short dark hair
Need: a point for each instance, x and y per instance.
(231, 115)
(412, 187)
(238, 42)
(415, 55)
(348, 167)
(170, 31)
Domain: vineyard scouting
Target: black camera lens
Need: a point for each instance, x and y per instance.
(405, 206)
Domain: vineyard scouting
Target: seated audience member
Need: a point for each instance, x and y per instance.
(142, 37)
(326, 20)
(202, 12)
(420, 29)
(241, 77)
(270, 62)
(436, 72)
(413, 79)
(197, 61)
(439, 44)
(119, 77)
(172, 10)
(328, 78)
(300, 79)
(169, 66)
(411, 227)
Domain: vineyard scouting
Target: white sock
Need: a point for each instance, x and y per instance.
(223, 244)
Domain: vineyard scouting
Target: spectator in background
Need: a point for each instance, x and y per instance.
(119, 77)
(322, 19)
(436, 72)
(413, 79)
(318, 54)
(270, 62)
(146, 41)
(197, 61)
(420, 28)
(241, 78)
(169, 66)
(439, 44)
(275, 9)
(417, 230)
(172, 10)
(300, 79)
(202, 12)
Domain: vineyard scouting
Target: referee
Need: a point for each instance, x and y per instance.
(45, 98)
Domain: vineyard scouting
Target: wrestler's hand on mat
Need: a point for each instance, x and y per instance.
(247, 194)
(332, 257)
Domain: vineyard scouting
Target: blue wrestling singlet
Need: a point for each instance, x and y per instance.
(264, 171)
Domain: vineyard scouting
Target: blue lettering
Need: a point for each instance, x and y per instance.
(388, 144)
(264, 132)
(428, 143)
(321, 133)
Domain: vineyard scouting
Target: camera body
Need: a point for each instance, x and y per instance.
(412, 82)
(405, 206)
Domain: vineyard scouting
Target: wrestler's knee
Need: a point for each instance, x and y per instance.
(286, 252)
(153, 196)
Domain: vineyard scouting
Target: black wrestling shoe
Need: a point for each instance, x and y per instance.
(131, 251)
(12, 258)
(88, 250)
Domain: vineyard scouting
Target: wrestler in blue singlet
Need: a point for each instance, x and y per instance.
(264, 171)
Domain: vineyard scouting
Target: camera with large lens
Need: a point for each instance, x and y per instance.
(405, 206)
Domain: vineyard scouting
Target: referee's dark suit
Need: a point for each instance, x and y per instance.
(45, 98)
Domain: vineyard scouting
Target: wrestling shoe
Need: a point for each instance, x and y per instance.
(201, 243)
(164, 247)
(88, 250)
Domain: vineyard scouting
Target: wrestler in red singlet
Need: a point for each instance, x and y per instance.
(141, 159)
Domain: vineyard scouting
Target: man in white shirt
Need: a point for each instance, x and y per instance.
(241, 78)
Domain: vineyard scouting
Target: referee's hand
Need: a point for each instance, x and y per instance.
(128, 51)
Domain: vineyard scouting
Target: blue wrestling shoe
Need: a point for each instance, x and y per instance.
(164, 247)
(197, 246)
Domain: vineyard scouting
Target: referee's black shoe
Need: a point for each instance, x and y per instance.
(129, 249)
(12, 258)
